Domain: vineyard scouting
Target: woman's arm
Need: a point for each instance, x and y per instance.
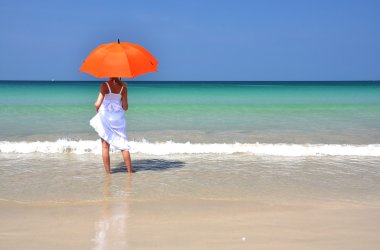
(99, 101)
(124, 98)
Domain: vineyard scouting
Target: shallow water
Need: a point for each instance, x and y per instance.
(51, 178)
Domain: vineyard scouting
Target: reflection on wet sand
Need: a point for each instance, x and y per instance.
(111, 228)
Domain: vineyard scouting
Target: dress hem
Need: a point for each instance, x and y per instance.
(112, 140)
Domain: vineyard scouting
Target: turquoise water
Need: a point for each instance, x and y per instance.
(250, 112)
(228, 140)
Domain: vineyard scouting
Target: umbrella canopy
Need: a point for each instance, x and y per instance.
(119, 59)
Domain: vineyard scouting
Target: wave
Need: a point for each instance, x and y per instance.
(170, 147)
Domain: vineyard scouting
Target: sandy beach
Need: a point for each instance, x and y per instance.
(270, 203)
(189, 224)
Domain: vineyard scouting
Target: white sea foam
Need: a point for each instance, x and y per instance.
(170, 147)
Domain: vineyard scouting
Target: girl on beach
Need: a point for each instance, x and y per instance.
(109, 122)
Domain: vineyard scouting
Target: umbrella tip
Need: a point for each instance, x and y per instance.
(118, 40)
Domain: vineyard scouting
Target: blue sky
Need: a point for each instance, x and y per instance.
(196, 40)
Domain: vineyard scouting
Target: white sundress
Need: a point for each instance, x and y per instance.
(109, 122)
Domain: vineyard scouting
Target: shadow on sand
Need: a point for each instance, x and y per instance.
(149, 165)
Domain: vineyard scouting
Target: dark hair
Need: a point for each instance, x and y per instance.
(118, 80)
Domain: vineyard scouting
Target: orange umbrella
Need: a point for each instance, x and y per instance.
(119, 60)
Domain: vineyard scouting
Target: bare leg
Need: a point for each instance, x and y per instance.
(106, 156)
(127, 160)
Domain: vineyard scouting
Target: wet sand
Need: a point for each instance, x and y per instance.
(189, 224)
(189, 202)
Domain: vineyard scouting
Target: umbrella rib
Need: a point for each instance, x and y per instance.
(129, 63)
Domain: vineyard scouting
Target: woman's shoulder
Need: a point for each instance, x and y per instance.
(124, 85)
(124, 88)
(103, 87)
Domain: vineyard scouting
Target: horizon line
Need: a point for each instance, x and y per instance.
(53, 80)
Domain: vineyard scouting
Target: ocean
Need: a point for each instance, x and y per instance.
(230, 128)
(218, 165)
(199, 112)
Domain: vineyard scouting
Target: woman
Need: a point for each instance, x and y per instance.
(109, 122)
